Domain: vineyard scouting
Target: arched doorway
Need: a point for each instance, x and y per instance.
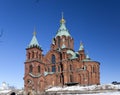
(13, 93)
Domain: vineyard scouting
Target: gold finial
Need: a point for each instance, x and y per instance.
(62, 20)
(34, 33)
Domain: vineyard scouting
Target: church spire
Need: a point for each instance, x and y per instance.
(62, 31)
(34, 41)
(81, 46)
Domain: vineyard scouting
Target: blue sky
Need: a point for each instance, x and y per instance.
(94, 22)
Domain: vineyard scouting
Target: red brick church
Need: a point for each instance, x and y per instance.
(62, 65)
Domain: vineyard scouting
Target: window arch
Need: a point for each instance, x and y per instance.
(38, 69)
(53, 59)
(32, 54)
(30, 69)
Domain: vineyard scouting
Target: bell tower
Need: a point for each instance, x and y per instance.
(33, 65)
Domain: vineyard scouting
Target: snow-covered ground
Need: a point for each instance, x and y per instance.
(107, 93)
(107, 89)
(85, 88)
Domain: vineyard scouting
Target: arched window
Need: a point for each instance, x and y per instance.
(39, 56)
(30, 69)
(68, 43)
(70, 67)
(93, 69)
(28, 55)
(36, 54)
(53, 69)
(53, 59)
(59, 42)
(38, 69)
(32, 54)
(58, 68)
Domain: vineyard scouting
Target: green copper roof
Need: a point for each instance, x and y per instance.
(63, 46)
(62, 31)
(74, 54)
(81, 46)
(87, 58)
(34, 42)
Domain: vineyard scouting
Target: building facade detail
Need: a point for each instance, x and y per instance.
(60, 66)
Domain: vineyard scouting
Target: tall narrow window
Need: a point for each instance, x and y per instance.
(32, 54)
(59, 42)
(36, 54)
(39, 56)
(58, 68)
(70, 67)
(30, 69)
(53, 69)
(28, 55)
(68, 43)
(38, 69)
(53, 59)
(93, 69)
(71, 78)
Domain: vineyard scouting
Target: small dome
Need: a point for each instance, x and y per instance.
(62, 31)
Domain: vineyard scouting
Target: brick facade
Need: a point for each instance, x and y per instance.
(61, 65)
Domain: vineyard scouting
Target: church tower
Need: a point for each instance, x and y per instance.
(34, 67)
(63, 38)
